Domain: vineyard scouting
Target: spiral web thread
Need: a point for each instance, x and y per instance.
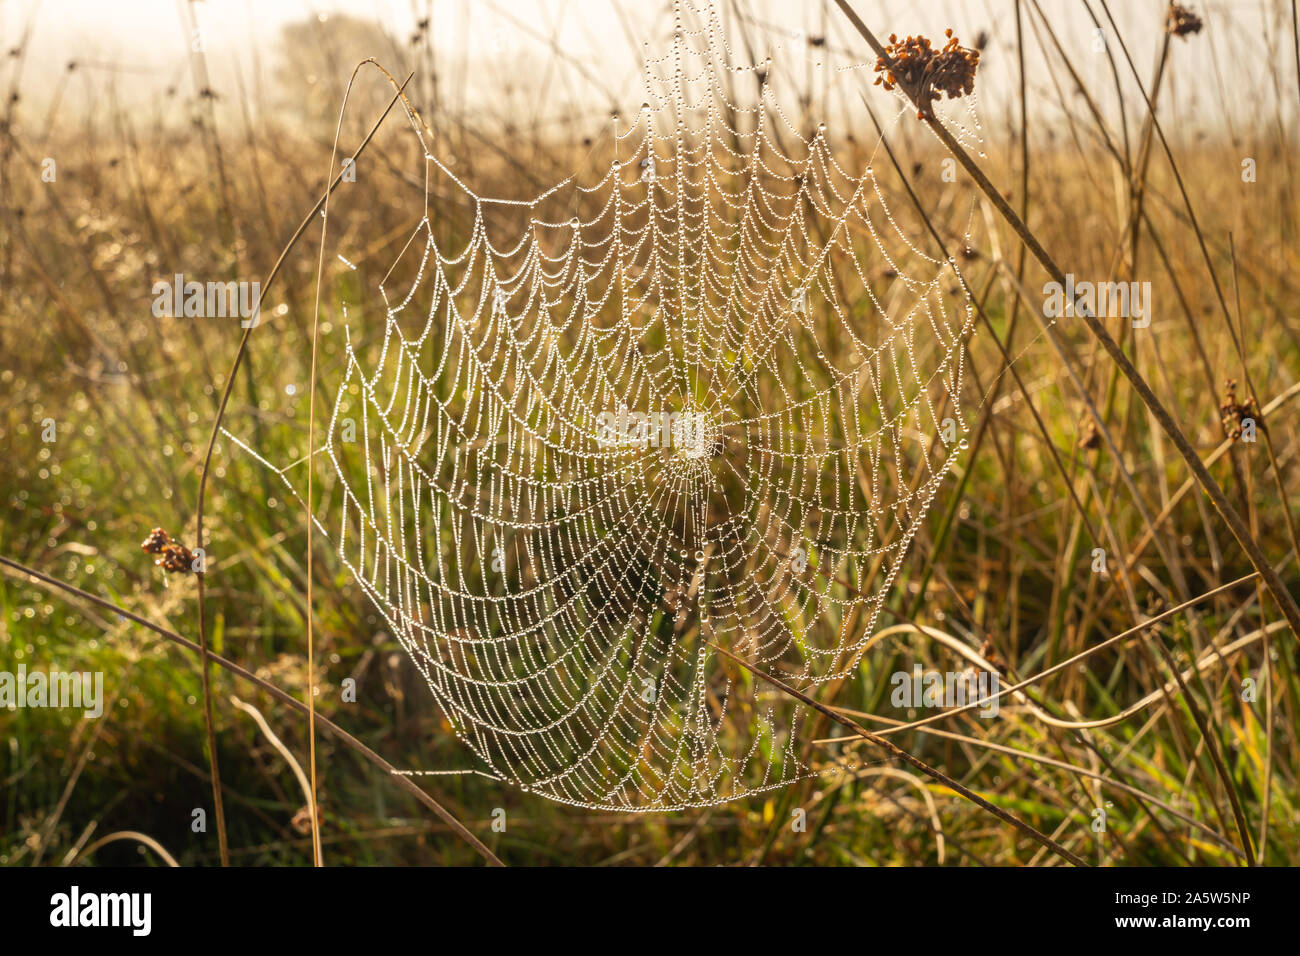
(552, 561)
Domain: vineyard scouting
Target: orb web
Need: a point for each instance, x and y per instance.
(695, 401)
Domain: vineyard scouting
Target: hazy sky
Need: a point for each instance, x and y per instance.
(142, 45)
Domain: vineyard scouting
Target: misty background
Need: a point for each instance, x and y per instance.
(563, 66)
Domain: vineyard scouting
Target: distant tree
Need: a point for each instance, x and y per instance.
(318, 55)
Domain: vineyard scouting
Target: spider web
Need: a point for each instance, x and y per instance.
(704, 409)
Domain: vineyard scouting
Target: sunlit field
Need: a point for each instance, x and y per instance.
(326, 373)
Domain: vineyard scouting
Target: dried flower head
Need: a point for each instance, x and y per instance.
(1181, 21)
(156, 541)
(990, 654)
(923, 72)
(172, 556)
(1233, 414)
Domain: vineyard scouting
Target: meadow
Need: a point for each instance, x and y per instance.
(1070, 518)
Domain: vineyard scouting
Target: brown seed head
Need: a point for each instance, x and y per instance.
(172, 556)
(156, 541)
(1233, 414)
(1181, 21)
(925, 73)
(176, 558)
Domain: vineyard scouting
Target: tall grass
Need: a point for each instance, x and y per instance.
(1143, 719)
